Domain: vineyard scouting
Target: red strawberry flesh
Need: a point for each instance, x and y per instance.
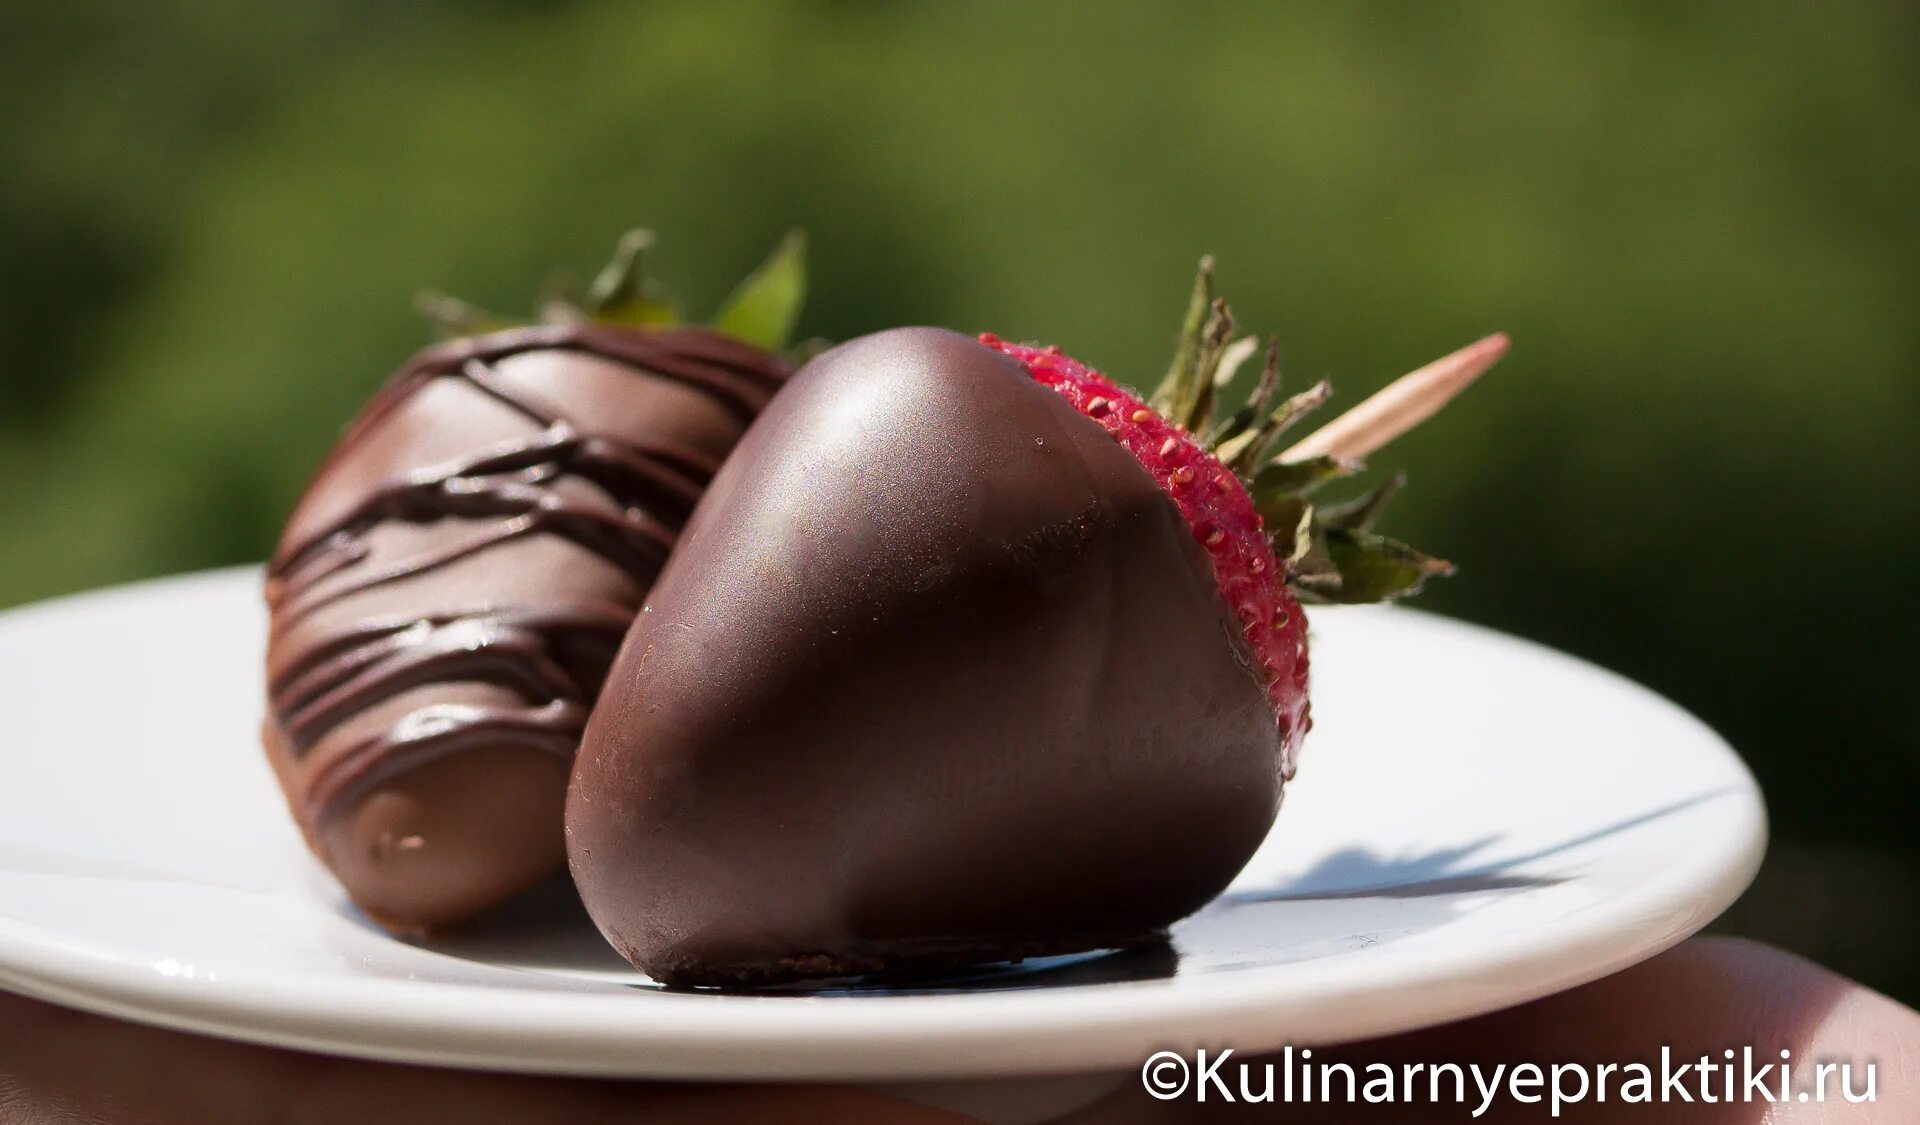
(1217, 508)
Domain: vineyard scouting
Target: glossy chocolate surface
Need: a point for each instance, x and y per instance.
(452, 585)
(936, 675)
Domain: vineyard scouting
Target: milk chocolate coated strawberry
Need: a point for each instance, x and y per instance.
(451, 587)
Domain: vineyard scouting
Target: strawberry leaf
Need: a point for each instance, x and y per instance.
(1372, 568)
(622, 295)
(763, 308)
(1299, 477)
(1257, 447)
(1170, 400)
(1289, 522)
(1362, 512)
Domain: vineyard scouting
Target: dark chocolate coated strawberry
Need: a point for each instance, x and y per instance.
(968, 654)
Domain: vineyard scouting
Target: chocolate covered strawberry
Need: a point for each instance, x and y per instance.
(451, 587)
(971, 654)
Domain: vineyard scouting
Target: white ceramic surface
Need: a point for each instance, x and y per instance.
(1478, 821)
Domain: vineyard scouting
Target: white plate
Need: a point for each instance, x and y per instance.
(1478, 821)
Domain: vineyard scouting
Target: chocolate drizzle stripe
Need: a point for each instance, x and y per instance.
(735, 373)
(660, 475)
(482, 375)
(475, 650)
(440, 490)
(292, 681)
(431, 732)
(296, 608)
(635, 499)
(511, 479)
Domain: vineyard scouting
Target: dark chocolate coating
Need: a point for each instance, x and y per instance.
(451, 587)
(937, 675)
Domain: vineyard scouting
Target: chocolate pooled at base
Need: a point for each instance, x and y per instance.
(451, 587)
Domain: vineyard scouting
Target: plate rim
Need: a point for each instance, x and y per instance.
(905, 1038)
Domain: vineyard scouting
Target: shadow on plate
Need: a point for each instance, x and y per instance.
(1351, 900)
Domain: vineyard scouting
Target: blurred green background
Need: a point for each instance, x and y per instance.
(1698, 221)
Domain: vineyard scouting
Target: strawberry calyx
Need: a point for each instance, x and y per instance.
(1328, 551)
(1270, 543)
(1331, 551)
(761, 310)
